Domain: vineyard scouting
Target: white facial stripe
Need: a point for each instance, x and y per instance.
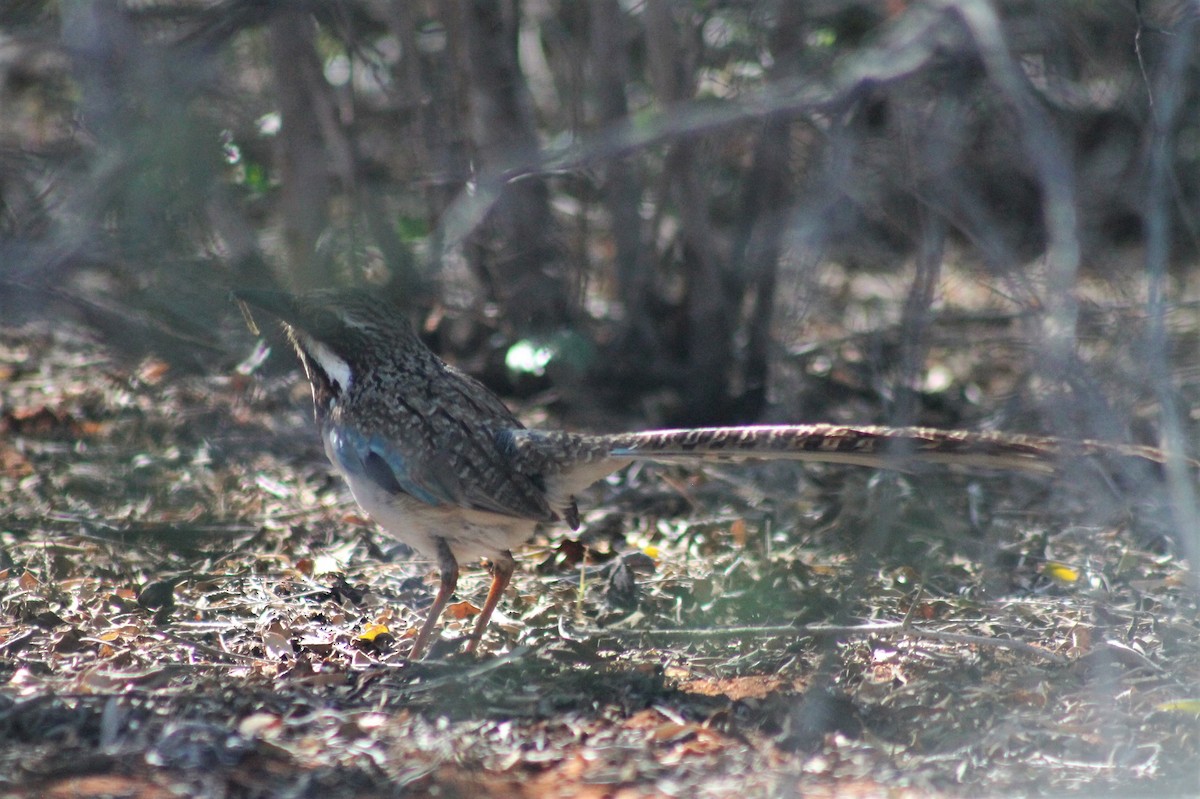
(350, 320)
(333, 366)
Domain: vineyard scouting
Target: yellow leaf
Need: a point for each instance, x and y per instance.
(1060, 573)
(372, 631)
(1191, 706)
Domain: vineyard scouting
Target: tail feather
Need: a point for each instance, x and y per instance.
(570, 462)
(873, 446)
(880, 447)
(877, 447)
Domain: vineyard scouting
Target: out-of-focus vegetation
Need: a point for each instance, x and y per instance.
(648, 198)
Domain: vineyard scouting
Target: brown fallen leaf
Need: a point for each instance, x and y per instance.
(738, 531)
(461, 610)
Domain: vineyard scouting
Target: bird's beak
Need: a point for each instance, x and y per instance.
(278, 303)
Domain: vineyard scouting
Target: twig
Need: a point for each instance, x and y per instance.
(888, 628)
(205, 648)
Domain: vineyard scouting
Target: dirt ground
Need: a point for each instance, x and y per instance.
(190, 604)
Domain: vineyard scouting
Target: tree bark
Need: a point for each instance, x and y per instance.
(425, 77)
(622, 191)
(513, 251)
(766, 213)
(305, 181)
(710, 310)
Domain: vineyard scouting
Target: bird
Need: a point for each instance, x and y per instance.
(443, 465)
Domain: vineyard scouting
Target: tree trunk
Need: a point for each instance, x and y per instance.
(622, 190)
(513, 250)
(710, 309)
(304, 178)
(425, 77)
(766, 213)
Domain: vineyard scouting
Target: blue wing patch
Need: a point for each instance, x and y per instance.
(385, 467)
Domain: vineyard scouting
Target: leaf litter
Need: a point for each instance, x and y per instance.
(190, 603)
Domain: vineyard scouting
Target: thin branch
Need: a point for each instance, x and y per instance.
(1141, 59)
(826, 630)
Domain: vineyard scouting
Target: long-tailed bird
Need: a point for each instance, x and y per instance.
(442, 465)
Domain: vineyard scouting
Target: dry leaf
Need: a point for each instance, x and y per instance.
(461, 610)
(276, 645)
(738, 531)
(152, 371)
(260, 725)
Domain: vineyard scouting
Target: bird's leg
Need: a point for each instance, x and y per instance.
(448, 568)
(502, 572)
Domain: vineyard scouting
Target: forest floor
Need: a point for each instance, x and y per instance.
(190, 604)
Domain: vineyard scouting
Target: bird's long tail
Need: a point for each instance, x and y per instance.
(888, 447)
(879, 447)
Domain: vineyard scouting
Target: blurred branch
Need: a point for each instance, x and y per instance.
(1164, 111)
(907, 46)
(1053, 165)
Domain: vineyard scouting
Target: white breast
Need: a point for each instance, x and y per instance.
(471, 534)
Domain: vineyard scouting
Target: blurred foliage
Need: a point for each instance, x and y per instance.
(670, 181)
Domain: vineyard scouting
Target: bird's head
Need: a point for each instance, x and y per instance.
(338, 334)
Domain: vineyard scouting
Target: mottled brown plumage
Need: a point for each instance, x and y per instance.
(440, 462)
